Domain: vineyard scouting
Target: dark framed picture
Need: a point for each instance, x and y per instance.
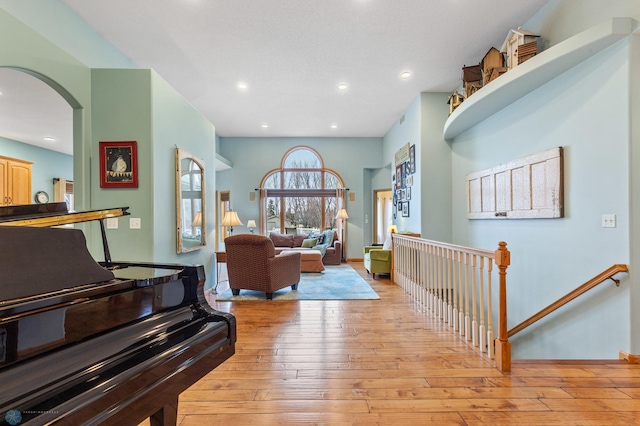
(405, 209)
(412, 158)
(408, 194)
(399, 176)
(118, 164)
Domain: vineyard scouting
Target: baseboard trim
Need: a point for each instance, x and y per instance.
(634, 359)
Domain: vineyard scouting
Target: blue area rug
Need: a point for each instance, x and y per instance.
(339, 282)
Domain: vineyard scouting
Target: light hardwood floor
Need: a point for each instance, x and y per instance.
(383, 362)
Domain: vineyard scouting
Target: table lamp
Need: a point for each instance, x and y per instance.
(251, 224)
(230, 220)
(197, 221)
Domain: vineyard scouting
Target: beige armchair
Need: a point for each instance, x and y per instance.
(253, 265)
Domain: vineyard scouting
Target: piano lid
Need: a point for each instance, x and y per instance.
(41, 260)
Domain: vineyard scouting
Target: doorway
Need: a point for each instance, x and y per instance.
(383, 199)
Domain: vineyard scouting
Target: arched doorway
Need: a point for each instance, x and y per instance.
(36, 121)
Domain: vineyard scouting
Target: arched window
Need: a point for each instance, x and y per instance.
(302, 196)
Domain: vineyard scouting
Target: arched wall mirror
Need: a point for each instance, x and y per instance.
(190, 211)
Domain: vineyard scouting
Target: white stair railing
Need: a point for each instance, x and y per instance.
(455, 284)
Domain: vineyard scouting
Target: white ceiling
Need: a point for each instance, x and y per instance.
(291, 53)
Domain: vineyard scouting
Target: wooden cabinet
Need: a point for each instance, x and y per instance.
(15, 181)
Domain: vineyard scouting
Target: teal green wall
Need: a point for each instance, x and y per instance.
(177, 123)
(254, 157)
(138, 105)
(23, 48)
(130, 104)
(46, 165)
(122, 112)
(55, 22)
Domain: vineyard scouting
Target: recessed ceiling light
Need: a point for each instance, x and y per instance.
(405, 75)
(50, 138)
(265, 126)
(343, 86)
(334, 126)
(243, 86)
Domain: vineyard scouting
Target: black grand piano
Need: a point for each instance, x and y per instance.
(83, 342)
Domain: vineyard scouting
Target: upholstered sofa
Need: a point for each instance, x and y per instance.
(332, 252)
(252, 264)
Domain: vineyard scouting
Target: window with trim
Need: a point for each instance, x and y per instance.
(302, 196)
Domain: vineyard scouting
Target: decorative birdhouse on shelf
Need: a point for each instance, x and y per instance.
(519, 46)
(454, 101)
(492, 61)
(471, 79)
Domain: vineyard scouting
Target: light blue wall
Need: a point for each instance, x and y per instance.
(409, 131)
(561, 19)
(434, 169)
(254, 157)
(634, 212)
(430, 204)
(177, 123)
(46, 166)
(585, 110)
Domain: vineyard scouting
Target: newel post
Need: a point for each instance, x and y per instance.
(503, 346)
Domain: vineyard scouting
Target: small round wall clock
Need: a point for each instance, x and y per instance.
(41, 197)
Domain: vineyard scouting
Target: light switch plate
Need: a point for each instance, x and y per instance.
(608, 220)
(112, 223)
(135, 223)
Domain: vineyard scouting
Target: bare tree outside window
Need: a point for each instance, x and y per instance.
(299, 208)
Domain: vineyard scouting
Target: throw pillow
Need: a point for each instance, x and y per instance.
(281, 240)
(320, 238)
(310, 242)
(298, 239)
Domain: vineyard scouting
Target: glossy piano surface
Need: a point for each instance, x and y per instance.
(114, 347)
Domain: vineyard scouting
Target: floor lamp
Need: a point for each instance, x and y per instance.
(230, 220)
(343, 216)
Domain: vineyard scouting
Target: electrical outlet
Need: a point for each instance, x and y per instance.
(608, 220)
(135, 223)
(112, 223)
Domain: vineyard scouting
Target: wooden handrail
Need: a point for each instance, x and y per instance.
(598, 279)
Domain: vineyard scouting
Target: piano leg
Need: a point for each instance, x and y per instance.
(165, 416)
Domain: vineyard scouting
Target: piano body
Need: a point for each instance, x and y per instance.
(83, 342)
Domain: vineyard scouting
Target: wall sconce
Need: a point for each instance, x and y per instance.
(230, 220)
(251, 224)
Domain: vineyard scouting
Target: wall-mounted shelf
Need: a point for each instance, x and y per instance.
(535, 72)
